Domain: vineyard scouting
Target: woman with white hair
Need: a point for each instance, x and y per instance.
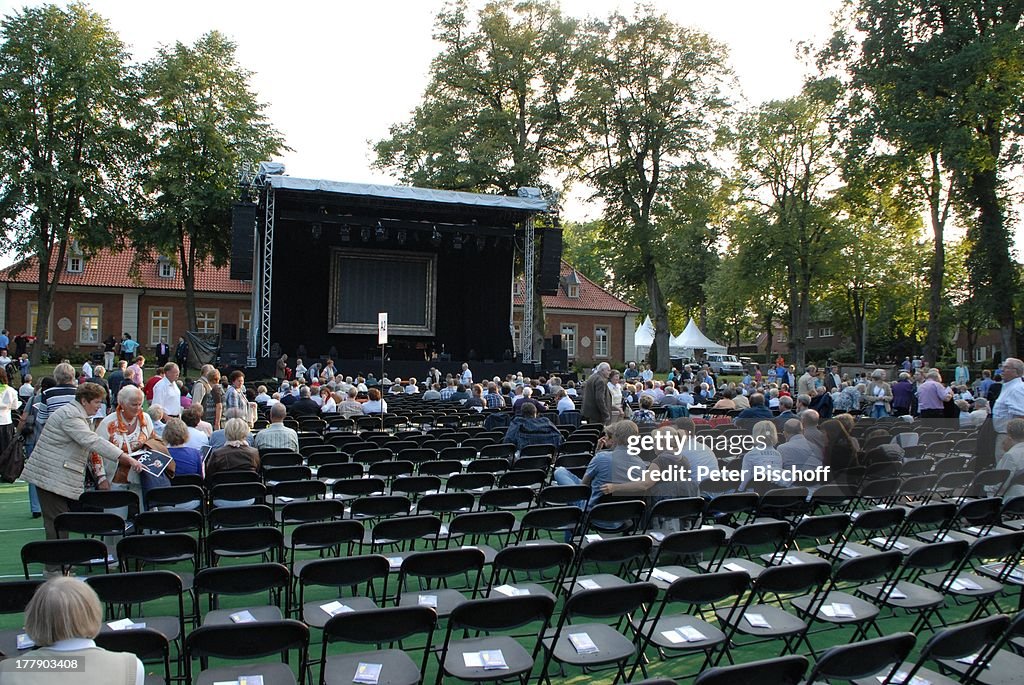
(62, 619)
(128, 428)
(763, 454)
(236, 454)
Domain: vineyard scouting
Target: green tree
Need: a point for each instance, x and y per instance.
(945, 81)
(648, 107)
(208, 126)
(493, 114)
(789, 160)
(68, 141)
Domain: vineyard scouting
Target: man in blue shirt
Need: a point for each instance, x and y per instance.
(609, 466)
(128, 347)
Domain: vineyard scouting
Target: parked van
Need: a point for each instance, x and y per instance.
(724, 363)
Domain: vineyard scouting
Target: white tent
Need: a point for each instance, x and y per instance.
(643, 337)
(691, 339)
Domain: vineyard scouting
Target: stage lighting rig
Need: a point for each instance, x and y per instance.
(435, 237)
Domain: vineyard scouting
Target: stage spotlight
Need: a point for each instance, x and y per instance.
(435, 237)
(381, 233)
(365, 234)
(457, 241)
(401, 236)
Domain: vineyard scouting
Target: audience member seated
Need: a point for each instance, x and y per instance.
(193, 418)
(565, 403)
(757, 411)
(219, 437)
(62, 618)
(476, 402)
(187, 460)
(644, 416)
(434, 393)
(798, 451)
(1013, 458)
(304, 406)
(840, 452)
(374, 405)
(236, 454)
(350, 406)
(611, 464)
(767, 435)
(883, 450)
(530, 429)
(683, 484)
(527, 398)
(277, 435)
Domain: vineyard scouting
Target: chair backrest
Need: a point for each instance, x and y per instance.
(322, 534)
(443, 563)
(377, 626)
(861, 660)
(136, 588)
(406, 528)
(708, 588)
(783, 670)
(551, 519)
(344, 571)
(89, 523)
(483, 523)
(16, 594)
(610, 602)
(245, 641)
(64, 553)
(174, 496)
(240, 517)
(793, 578)
(157, 548)
(562, 495)
(500, 613)
(963, 640)
(241, 579)
(535, 557)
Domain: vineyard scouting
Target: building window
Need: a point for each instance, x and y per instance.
(33, 318)
(244, 320)
(825, 332)
(573, 291)
(810, 332)
(160, 324)
(517, 288)
(979, 354)
(781, 338)
(75, 265)
(165, 268)
(569, 339)
(601, 336)
(517, 332)
(88, 324)
(207, 321)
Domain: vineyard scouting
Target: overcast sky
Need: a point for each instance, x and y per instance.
(337, 73)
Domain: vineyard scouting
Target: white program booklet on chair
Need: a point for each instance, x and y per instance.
(757, 620)
(664, 576)
(368, 674)
(582, 643)
(334, 608)
(511, 591)
(961, 584)
(588, 584)
(900, 678)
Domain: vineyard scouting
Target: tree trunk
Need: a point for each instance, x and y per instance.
(186, 262)
(660, 315)
(800, 319)
(938, 268)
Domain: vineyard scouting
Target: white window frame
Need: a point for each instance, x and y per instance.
(154, 339)
(165, 269)
(825, 332)
(569, 340)
(244, 320)
(979, 353)
(573, 291)
(76, 265)
(32, 314)
(517, 332)
(810, 332)
(99, 323)
(781, 338)
(201, 315)
(606, 343)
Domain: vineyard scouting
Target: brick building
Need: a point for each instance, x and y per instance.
(592, 323)
(102, 295)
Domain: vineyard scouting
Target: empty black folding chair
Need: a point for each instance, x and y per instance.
(245, 642)
(870, 659)
(784, 670)
(14, 597)
(378, 627)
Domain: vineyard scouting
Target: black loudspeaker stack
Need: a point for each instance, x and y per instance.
(550, 261)
(243, 227)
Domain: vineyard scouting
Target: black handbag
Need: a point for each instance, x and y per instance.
(12, 460)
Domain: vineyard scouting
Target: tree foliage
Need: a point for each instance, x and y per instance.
(69, 143)
(648, 108)
(208, 124)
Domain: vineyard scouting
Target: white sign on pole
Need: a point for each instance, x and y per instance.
(382, 328)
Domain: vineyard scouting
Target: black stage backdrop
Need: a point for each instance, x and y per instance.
(472, 301)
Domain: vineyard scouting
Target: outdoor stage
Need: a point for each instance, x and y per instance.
(327, 257)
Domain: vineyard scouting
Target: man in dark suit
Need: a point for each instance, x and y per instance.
(163, 352)
(597, 398)
(181, 353)
(304, 406)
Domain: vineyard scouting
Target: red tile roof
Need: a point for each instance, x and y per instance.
(592, 296)
(107, 269)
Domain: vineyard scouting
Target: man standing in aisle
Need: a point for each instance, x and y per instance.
(597, 398)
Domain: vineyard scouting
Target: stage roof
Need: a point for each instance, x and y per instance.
(525, 205)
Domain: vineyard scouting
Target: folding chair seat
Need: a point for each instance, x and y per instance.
(784, 670)
(176, 497)
(835, 605)
(440, 468)
(563, 495)
(485, 618)
(353, 488)
(672, 515)
(872, 523)
(507, 498)
(242, 580)
(679, 550)
(401, 534)
(279, 459)
(674, 634)
(614, 518)
(290, 491)
(832, 497)
(136, 552)
(1000, 665)
(502, 450)
(966, 583)
(570, 644)
(946, 646)
(266, 542)
(336, 537)
(743, 540)
(775, 622)
(565, 520)
(730, 509)
(121, 593)
(973, 518)
(390, 625)
(359, 573)
(924, 522)
(875, 659)
(237, 494)
(491, 465)
(470, 482)
(230, 477)
(415, 486)
(14, 597)
(476, 530)
(446, 504)
(380, 507)
(815, 528)
(147, 644)
(65, 554)
(278, 474)
(513, 569)
(904, 594)
(430, 570)
(876, 493)
(629, 554)
(245, 642)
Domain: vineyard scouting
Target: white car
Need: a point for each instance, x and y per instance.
(724, 364)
